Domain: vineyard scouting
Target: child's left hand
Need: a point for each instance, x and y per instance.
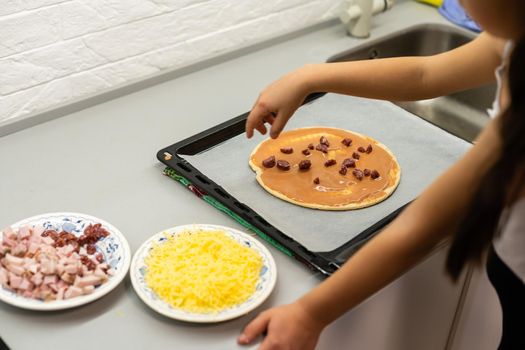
(277, 103)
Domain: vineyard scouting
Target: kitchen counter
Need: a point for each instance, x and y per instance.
(101, 161)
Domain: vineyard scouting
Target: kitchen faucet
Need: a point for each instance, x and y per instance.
(358, 15)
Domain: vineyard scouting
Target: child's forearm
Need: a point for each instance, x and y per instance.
(397, 79)
(425, 223)
(409, 78)
(374, 266)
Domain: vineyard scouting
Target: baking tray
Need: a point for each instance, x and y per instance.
(3, 345)
(187, 162)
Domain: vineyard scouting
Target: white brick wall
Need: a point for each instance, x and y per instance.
(54, 51)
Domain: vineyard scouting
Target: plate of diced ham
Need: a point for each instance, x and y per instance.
(60, 260)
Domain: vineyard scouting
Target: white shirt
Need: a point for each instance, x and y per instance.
(494, 111)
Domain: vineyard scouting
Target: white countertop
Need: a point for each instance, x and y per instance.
(101, 161)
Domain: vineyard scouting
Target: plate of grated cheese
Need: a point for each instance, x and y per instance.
(203, 273)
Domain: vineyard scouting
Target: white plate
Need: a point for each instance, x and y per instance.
(265, 285)
(114, 247)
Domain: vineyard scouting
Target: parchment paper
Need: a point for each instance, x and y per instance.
(423, 151)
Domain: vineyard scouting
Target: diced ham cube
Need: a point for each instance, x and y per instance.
(100, 274)
(33, 268)
(61, 284)
(51, 279)
(36, 293)
(103, 266)
(14, 281)
(72, 292)
(62, 252)
(88, 290)
(45, 294)
(26, 285)
(4, 277)
(4, 249)
(35, 239)
(73, 259)
(60, 293)
(66, 277)
(87, 281)
(20, 249)
(71, 269)
(24, 232)
(54, 287)
(47, 250)
(37, 231)
(37, 279)
(48, 267)
(33, 247)
(16, 269)
(13, 260)
(60, 269)
(9, 242)
(69, 249)
(28, 262)
(9, 233)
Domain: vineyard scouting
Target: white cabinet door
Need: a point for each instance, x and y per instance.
(415, 312)
(479, 325)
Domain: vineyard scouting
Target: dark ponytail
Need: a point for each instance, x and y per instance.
(502, 184)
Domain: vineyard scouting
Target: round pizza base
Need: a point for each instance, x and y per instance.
(394, 176)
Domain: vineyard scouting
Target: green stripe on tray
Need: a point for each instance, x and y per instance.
(173, 174)
(218, 205)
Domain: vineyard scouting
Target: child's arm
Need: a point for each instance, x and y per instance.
(397, 79)
(408, 239)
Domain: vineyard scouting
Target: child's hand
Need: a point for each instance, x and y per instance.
(286, 327)
(277, 103)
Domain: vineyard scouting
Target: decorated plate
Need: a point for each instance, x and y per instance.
(265, 283)
(114, 248)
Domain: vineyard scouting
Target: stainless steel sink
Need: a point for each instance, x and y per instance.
(463, 114)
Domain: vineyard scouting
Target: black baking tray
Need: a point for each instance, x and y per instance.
(3, 345)
(323, 262)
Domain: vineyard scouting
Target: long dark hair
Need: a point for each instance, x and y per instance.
(502, 183)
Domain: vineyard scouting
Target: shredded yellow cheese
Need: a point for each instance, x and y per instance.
(202, 271)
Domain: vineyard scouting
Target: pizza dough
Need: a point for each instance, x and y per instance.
(326, 168)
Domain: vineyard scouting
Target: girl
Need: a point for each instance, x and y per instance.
(487, 184)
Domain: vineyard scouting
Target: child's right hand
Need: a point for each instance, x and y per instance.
(284, 327)
(277, 103)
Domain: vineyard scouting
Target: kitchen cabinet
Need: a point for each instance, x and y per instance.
(479, 324)
(415, 312)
